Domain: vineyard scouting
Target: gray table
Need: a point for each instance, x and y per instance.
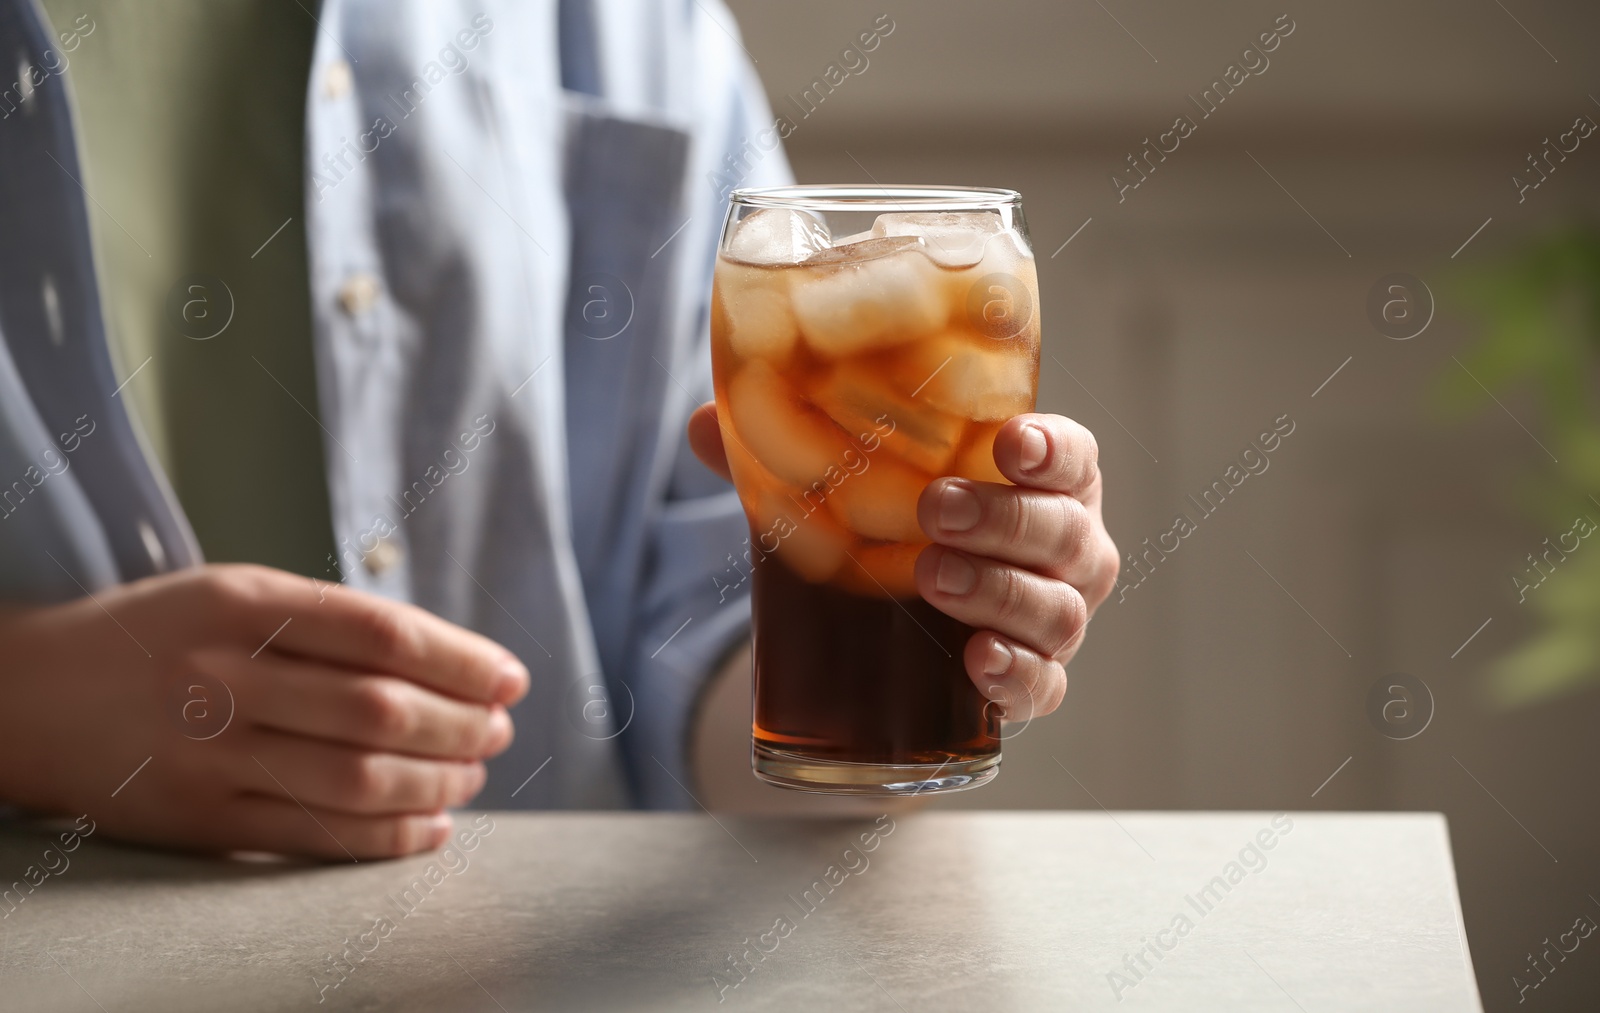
(955, 911)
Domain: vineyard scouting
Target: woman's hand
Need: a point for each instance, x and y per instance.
(1027, 564)
(277, 714)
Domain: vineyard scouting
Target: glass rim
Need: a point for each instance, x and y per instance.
(861, 196)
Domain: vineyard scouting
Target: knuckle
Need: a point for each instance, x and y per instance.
(1074, 532)
(1067, 618)
(1015, 515)
(1075, 618)
(382, 706)
(1106, 574)
(364, 781)
(1113, 562)
(233, 594)
(247, 581)
(387, 633)
(1011, 593)
(230, 587)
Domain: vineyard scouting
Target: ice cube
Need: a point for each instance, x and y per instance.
(864, 400)
(975, 459)
(811, 544)
(851, 299)
(1004, 253)
(953, 239)
(786, 435)
(814, 547)
(877, 570)
(983, 382)
(880, 501)
(859, 251)
(755, 303)
(999, 296)
(751, 479)
(773, 237)
(853, 238)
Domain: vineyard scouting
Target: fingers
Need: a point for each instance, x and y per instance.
(372, 711)
(327, 776)
(705, 439)
(1019, 682)
(1042, 531)
(282, 827)
(365, 631)
(1043, 614)
(348, 627)
(1049, 522)
(1048, 452)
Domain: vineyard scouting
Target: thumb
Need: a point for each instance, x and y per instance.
(705, 439)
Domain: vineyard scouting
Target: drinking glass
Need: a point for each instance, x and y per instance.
(865, 340)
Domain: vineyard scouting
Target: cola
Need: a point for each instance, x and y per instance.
(845, 678)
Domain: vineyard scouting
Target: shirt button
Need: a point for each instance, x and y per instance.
(152, 545)
(52, 309)
(358, 293)
(381, 558)
(25, 84)
(336, 80)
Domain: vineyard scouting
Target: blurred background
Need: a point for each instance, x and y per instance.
(1396, 529)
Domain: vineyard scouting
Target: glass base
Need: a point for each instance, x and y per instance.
(831, 777)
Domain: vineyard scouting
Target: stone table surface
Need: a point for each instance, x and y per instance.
(629, 911)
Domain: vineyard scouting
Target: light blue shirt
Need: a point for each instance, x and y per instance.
(512, 211)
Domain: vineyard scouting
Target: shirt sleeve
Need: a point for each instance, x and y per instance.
(694, 606)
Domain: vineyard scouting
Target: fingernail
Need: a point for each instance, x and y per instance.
(438, 830)
(499, 732)
(1035, 445)
(511, 679)
(959, 509)
(999, 660)
(956, 575)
